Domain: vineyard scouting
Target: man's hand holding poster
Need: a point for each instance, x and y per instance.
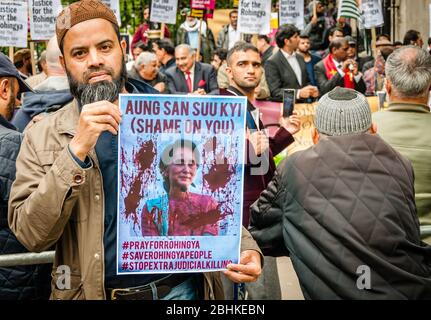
(180, 183)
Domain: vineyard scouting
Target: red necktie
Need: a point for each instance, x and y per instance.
(189, 81)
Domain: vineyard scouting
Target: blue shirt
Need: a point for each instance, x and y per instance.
(310, 68)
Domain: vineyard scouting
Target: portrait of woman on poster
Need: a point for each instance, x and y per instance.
(180, 212)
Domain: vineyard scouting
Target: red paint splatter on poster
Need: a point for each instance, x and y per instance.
(143, 160)
(219, 174)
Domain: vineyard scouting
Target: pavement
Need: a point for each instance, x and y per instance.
(289, 284)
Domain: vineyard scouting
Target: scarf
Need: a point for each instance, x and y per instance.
(195, 26)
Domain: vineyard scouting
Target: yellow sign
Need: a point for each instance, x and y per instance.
(274, 20)
(197, 13)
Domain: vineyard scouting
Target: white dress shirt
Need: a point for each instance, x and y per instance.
(293, 62)
(234, 36)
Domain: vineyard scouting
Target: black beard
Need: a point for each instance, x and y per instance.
(10, 109)
(87, 93)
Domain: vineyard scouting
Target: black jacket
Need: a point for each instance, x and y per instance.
(204, 73)
(346, 203)
(280, 75)
(24, 282)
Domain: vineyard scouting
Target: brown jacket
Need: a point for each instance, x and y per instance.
(55, 202)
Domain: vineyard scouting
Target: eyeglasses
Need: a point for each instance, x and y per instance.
(182, 164)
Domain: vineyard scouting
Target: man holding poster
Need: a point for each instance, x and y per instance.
(66, 184)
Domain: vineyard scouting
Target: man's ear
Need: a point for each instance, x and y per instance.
(123, 45)
(229, 73)
(373, 128)
(63, 64)
(5, 87)
(315, 135)
(388, 87)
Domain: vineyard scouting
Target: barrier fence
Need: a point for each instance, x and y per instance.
(22, 259)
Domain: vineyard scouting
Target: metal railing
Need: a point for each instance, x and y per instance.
(23, 259)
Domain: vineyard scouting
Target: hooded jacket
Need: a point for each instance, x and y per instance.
(39, 102)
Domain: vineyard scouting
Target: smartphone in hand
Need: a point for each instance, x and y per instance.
(289, 97)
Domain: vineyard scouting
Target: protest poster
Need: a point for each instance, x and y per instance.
(202, 4)
(180, 183)
(115, 6)
(372, 13)
(197, 13)
(292, 12)
(43, 14)
(13, 23)
(254, 16)
(164, 11)
(203, 9)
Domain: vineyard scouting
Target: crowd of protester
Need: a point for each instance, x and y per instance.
(355, 198)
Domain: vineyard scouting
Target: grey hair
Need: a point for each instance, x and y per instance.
(409, 71)
(144, 59)
(185, 46)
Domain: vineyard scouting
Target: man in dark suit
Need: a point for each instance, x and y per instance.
(336, 70)
(190, 77)
(286, 69)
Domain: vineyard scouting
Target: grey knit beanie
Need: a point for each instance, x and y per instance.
(342, 112)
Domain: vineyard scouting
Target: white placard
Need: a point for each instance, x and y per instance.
(292, 12)
(115, 6)
(254, 16)
(13, 23)
(372, 13)
(43, 14)
(164, 11)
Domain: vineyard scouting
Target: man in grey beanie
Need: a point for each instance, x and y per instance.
(344, 211)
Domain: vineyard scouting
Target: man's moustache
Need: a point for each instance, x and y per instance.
(89, 72)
